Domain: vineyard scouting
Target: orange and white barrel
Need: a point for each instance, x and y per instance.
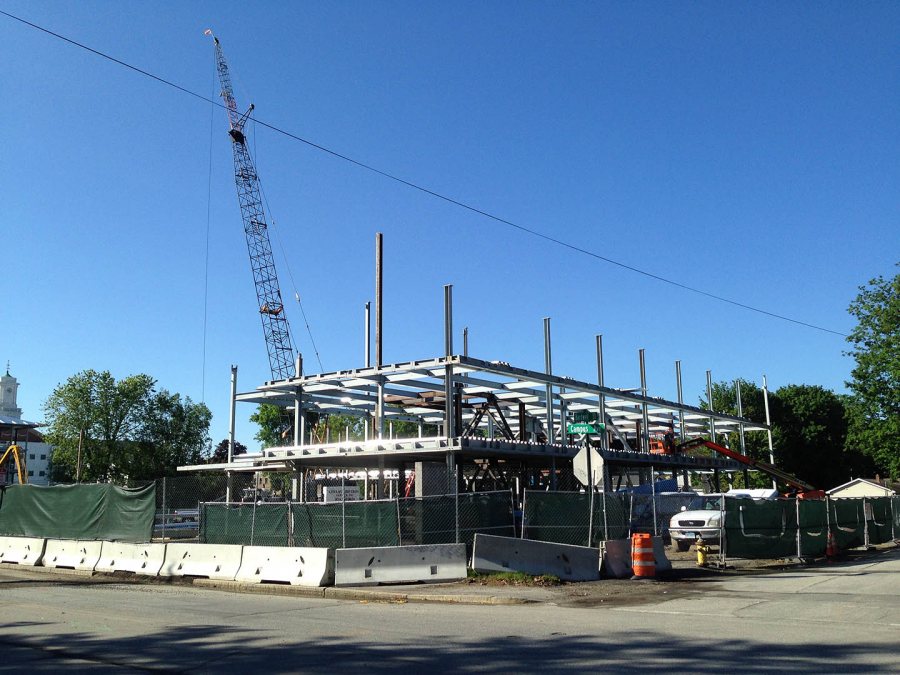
(643, 564)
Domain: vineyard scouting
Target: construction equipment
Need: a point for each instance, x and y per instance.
(801, 488)
(19, 458)
(256, 231)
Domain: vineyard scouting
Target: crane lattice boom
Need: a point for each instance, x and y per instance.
(256, 231)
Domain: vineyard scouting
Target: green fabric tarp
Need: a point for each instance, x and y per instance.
(92, 512)
(847, 522)
(760, 528)
(813, 527)
(878, 515)
(348, 525)
(432, 520)
(247, 524)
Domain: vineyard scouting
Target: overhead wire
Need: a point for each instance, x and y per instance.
(287, 264)
(438, 195)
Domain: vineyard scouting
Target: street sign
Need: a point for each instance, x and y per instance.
(580, 467)
(582, 428)
(586, 416)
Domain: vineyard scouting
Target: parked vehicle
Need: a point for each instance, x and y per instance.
(703, 517)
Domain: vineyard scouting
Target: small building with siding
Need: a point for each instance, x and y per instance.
(861, 487)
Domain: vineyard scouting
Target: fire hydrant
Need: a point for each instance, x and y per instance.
(702, 552)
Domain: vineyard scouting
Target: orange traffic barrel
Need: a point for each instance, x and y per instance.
(643, 563)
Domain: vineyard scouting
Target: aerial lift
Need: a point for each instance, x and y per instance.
(19, 458)
(799, 488)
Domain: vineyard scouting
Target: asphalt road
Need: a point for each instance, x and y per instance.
(843, 618)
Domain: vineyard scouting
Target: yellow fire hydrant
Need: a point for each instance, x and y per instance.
(702, 552)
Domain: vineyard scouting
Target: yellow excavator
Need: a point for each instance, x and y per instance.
(19, 456)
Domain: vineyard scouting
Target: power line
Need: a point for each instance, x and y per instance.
(437, 195)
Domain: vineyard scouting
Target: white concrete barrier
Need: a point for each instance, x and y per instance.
(216, 561)
(399, 564)
(72, 553)
(507, 554)
(117, 556)
(663, 564)
(296, 566)
(22, 550)
(617, 561)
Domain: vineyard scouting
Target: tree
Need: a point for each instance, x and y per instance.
(220, 453)
(875, 408)
(128, 428)
(809, 429)
(274, 426)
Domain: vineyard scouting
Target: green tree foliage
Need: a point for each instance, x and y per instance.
(129, 428)
(274, 426)
(875, 409)
(810, 432)
(220, 452)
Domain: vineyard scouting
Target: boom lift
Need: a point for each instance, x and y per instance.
(803, 489)
(15, 451)
(256, 231)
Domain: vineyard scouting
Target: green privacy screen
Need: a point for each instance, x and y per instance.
(78, 512)
(761, 529)
(254, 525)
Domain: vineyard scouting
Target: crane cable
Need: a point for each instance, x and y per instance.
(437, 195)
(287, 264)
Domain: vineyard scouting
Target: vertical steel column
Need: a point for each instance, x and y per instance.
(680, 401)
(449, 411)
(298, 415)
(645, 416)
(709, 401)
(769, 427)
(231, 412)
(368, 332)
(601, 398)
(653, 496)
(548, 368)
(740, 412)
(548, 363)
(379, 337)
(466, 341)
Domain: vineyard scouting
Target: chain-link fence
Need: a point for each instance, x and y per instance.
(259, 511)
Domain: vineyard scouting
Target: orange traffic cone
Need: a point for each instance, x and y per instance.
(830, 547)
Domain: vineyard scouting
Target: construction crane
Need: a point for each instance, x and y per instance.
(256, 231)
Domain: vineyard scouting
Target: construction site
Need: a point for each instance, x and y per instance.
(441, 465)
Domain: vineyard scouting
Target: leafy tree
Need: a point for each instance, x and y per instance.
(220, 452)
(875, 408)
(810, 431)
(128, 428)
(274, 425)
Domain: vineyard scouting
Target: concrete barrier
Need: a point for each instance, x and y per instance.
(617, 561)
(116, 556)
(296, 566)
(72, 553)
(22, 550)
(507, 554)
(399, 564)
(663, 564)
(216, 561)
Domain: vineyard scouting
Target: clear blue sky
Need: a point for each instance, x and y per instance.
(748, 149)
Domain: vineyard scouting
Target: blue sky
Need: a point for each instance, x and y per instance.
(749, 150)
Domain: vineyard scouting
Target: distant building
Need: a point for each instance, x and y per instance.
(14, 429)
(860, 487)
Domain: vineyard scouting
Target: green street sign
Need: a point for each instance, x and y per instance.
(586, 416)
(582, 428)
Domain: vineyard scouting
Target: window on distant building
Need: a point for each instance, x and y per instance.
(30, 456)
(41, 474)
(31, 473)
(43, 456)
